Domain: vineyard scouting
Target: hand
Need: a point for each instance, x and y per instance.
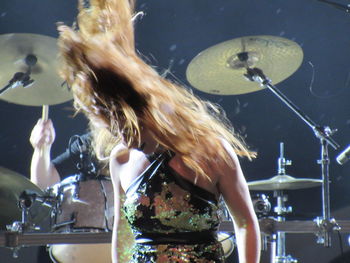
(43, 134)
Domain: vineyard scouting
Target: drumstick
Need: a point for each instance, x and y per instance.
(44, 117)
(45, 112)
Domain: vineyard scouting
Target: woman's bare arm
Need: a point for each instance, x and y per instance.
(234, 189)
(42, 172)
(118, 157)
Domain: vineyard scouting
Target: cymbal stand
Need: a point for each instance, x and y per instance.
(281, 210)
(323, 133)
(25, 203)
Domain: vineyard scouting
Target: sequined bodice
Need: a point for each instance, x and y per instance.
(160, 201)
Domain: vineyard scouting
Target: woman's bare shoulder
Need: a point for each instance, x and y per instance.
(120, 154)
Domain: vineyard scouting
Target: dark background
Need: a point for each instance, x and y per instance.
(170, 35)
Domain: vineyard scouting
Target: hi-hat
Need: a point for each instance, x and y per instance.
(220, 69)
(20, 50)
(283, 182)
(12, 186)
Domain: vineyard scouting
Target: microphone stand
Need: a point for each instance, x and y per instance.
(19, 78)
(22, 78)
(323, 133)
(343, 7)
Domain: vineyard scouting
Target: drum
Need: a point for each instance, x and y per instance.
(83, 205)
(87, 206)
(81, 253)
(225, 238)
(227, 241)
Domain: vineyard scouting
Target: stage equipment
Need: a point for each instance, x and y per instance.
(83, 205)
(283, 182)
(29, 70)
(220, 68)
(223, 68)
(339, 6)
(279, 255)
(344, 156)
(18, 194)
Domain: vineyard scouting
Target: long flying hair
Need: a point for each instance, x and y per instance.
(120, 93)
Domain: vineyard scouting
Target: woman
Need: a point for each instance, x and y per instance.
(45, 173)
(168, 151)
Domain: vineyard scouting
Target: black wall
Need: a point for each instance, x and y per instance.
(172, 33)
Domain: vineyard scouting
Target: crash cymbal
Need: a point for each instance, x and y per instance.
(283, 182)
(17, 50)
(12, 185)
(220, 69)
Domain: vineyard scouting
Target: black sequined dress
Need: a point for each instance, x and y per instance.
(172, 219)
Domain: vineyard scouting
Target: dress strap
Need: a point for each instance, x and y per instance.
(156, 161)
(166, 155)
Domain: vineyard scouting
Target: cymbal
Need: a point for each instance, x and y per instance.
(47, 88)
(12, 184)
(220, 69)
(283, 182)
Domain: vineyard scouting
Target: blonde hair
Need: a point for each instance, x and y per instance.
(119, 92)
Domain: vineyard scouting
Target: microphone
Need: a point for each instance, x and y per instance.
(86, 166)
(344, 156)
(343, 7)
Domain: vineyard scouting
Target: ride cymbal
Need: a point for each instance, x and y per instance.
(19, 52)
(220, 69)
(283, 182)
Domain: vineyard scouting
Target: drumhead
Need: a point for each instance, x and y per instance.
(227, 242)
(81, 253)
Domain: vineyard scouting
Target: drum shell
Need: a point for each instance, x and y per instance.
(83, 205)
(91, 206)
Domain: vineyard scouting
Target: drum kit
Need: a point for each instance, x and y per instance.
(28, 77)
(245, 65)
(29, 70)
(79, 211)
(238, 66)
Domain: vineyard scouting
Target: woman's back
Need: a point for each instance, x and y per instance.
(173, 220)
